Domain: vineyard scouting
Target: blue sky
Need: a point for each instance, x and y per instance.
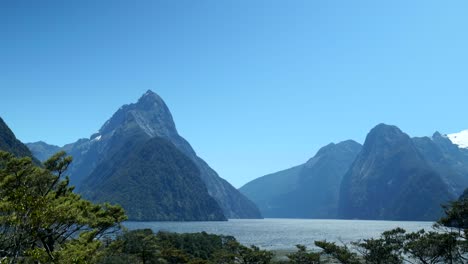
(254, 86)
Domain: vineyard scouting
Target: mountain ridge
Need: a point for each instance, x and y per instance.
(150, 117)
(390, 179)
(9, 143)
(433, 168)
(309, 190)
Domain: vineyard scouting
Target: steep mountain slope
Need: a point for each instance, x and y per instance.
(263, 191)
(390, 179)
(42, 150)
(450, 161)
(151, 117)
(152, 180)
(309, 190)
(9, 143)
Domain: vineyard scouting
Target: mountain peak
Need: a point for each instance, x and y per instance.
(384, 133)
(386, 129)
(150, 94)
(335, 151)
(444, 142)
(384, 139)
(381, 182)
(151, 99)
(437, 134)
(347, 145)
(150, 113)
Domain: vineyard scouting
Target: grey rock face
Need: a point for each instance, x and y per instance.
(151, 116)
(390, 179)
(450, 161)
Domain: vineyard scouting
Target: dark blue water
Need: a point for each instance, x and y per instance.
(284, 234)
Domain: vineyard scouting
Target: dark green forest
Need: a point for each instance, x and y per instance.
(43, 221)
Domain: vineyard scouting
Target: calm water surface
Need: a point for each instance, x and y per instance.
(283, 234)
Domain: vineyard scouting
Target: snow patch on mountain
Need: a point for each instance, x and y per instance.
(460, 139)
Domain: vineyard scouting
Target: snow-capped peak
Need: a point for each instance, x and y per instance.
(460, 139)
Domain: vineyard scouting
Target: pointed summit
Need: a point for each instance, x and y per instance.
(150, 118)
(150, 113)
(151, 97)
(149, 92)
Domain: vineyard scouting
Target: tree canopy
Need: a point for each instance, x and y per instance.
(42, 220)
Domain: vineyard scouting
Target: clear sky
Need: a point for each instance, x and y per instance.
(254, 86)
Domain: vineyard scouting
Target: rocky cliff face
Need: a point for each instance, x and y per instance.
(390, 179)
(450, 161)
(150, 117)
(153, 181)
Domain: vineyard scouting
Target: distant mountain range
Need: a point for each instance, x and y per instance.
(166, 181)
(392, 177)
(139, 160)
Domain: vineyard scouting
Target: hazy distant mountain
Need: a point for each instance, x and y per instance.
(9, 143)
(42, 150)
(390, 179)
(149, 118)
(263, 191)
(309, 190)
(152, 180)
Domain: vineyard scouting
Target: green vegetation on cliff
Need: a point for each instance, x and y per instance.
(153, 181)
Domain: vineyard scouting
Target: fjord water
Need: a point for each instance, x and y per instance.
(284, 234)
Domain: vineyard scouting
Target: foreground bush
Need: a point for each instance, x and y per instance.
(143, 246)
(42, 220)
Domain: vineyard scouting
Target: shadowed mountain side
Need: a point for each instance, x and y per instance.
(390, 179)
(450, 161)
(153, 181)
(309, 190)
(150, 117)
(9, 143)
(42, 151)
